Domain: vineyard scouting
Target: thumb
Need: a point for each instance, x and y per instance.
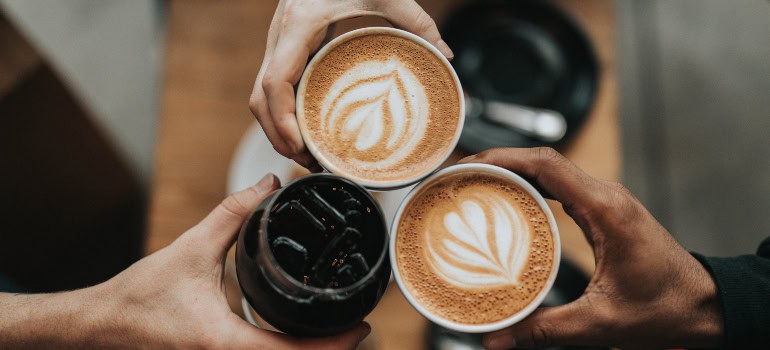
(221, 226)
(570, 324)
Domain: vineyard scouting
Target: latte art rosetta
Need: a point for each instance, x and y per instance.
(473, 246)
(483, 243)
(381, 108)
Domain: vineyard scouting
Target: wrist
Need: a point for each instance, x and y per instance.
(89, 314)
(58, 320)
(706, 309)
(103, 318)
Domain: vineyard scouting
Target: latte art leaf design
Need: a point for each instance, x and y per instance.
(484, 243)
(381, 108)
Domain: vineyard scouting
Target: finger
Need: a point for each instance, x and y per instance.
(306, 160)
(559, 178)
(258, 107)
(258, 100)
(220, 227)
(283, 73)
(570, 324)
(328, 37)
(409, 16)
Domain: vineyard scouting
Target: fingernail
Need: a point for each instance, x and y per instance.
(302, 161)
(501, 342)
(444, 48)
(365, 333)
(266, 183)
(316, 168)
(468, 158)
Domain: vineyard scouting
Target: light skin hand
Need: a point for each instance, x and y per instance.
(174, 298)
(647, 291)
(298, 29)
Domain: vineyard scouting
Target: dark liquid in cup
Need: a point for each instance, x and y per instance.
(324, 233)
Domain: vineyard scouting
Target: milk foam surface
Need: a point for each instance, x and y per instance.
(377, 104)
(381, 108)
(482, 243)
(474, 248)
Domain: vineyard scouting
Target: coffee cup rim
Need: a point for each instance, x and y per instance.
(306, 288)
(497, 325)
(330, 166)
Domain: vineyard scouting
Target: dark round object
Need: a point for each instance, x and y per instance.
(528, 53)
(312, 260)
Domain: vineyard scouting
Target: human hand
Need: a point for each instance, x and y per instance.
(174, 298)
(646, 292)
(297, 30)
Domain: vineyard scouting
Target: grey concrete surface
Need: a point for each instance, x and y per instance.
(695, 108)
(110, 53)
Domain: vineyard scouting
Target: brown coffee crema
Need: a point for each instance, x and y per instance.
(381, 108)
(474, 248)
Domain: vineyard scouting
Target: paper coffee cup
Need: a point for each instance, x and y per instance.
(503, 175)
(380, 106)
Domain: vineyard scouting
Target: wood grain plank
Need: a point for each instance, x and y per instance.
(212, 56)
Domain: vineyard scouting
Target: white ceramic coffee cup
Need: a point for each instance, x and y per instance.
(330, 166)
(512, 319)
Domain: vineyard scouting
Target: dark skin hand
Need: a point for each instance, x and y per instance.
(647, 291)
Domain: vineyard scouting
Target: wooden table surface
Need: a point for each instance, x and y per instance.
(213, 53)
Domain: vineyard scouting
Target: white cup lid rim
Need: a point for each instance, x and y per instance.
(497, 325)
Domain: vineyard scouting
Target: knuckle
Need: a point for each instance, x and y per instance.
(424, 23)
(602, 207)
(269, 81)
(296, 12)
(548, 155)
(234, 206)
(619, 206)
(622, 195)
(287, 131)
(283, 129)
(540, 336)
(283, 150)
(285, 20)
(487, 156)
(289, 12)
(255, 105)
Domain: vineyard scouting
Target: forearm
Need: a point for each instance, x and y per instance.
(744, 287)
(57, 320)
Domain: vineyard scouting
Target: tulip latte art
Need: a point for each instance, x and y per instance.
(474, 248)
(380, 108)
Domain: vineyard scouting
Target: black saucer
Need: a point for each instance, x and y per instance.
(528, 53)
